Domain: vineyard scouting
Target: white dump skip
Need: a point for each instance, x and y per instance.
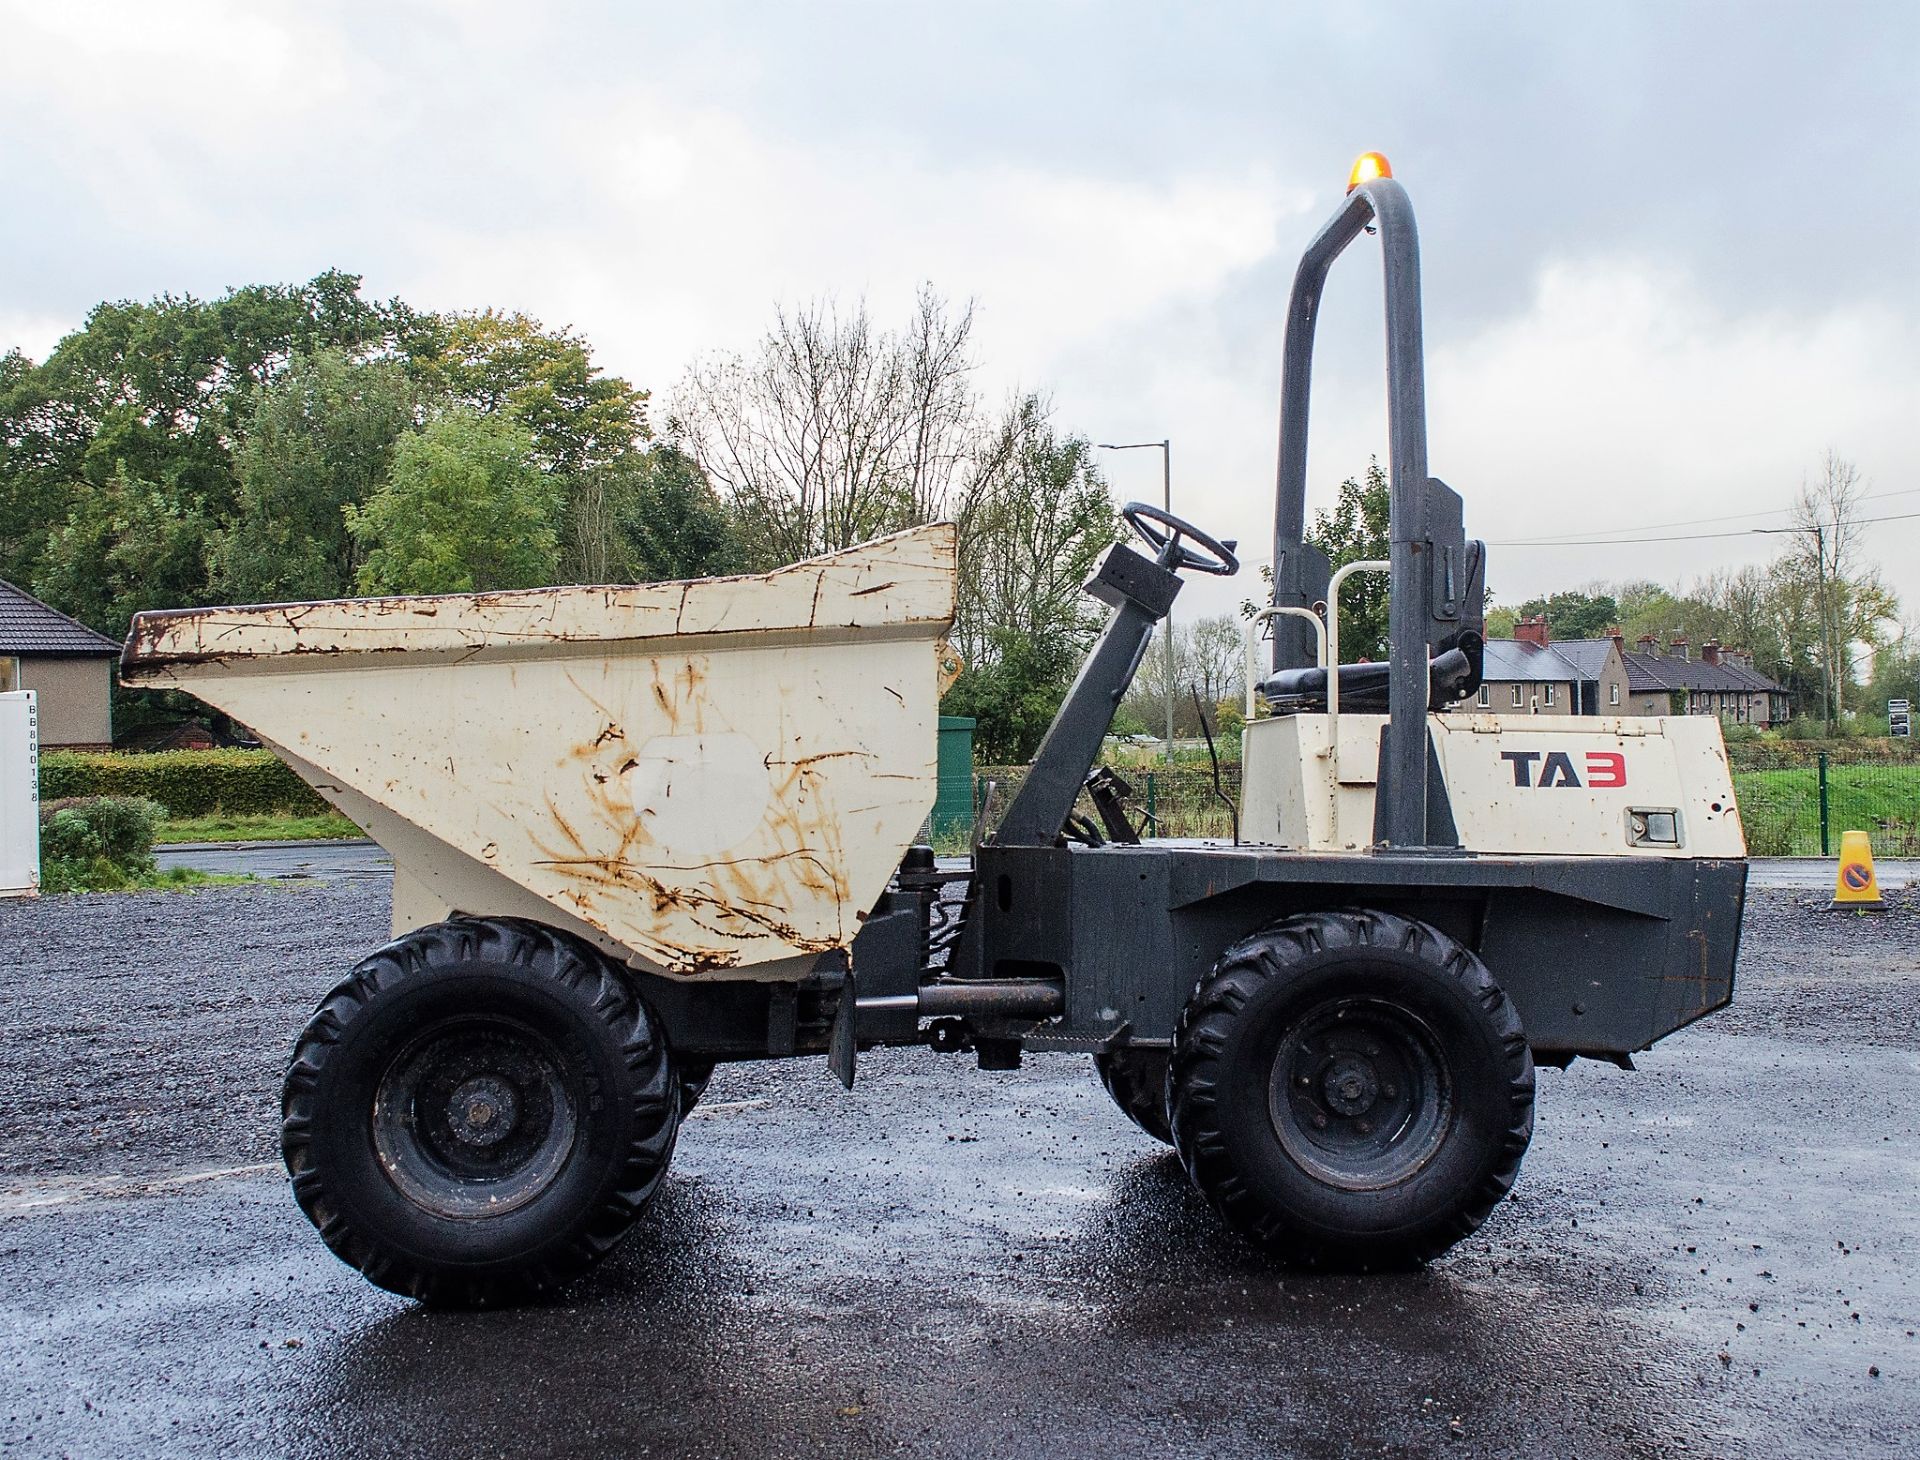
(712, 777)
(19, 794)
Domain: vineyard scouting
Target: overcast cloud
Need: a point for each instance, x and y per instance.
(1670, 249)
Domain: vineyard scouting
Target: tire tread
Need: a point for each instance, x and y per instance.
(538, 953)
(1208, 1021)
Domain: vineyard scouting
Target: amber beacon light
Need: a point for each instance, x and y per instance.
(1370, 166)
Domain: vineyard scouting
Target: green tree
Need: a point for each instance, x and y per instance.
(1358, 529)
(128, 544)
(506, 363)
(1013, 695)
(1647, 608)
(154, 393)
(37, 465)
(320, 438)
(1896, 673)
(668, 520)
(586, 426)
(1033, 520)
(465, 509)
(1573, 615)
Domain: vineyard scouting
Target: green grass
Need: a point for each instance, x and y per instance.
(58, 877)
(330, 826)
(1781, 809)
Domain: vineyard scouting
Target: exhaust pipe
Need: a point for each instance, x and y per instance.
(1001, 998)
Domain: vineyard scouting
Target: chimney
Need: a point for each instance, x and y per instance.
(1532, 630)
(1649, 646)
(1619, 639)
(1677, 646)
(1710, 652)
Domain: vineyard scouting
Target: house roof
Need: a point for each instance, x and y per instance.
(1582, 660)
(1649, 672)
(1587, 656)
(30, 627)
(1506, 660)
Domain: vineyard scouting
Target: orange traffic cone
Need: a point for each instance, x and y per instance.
(1854, 886)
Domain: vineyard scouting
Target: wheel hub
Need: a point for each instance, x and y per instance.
(474, 1118)
(1350, 1086)
(483, 1111)
(1360, 1095)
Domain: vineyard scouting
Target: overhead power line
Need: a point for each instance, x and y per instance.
(1572, 541)
(1677, 537)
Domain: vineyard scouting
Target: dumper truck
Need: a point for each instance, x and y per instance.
(641, 830)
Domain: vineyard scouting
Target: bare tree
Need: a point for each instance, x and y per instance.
(1850, 602)
(1209, 657)
(834, 431)
(1216, 658)
(1750, 603)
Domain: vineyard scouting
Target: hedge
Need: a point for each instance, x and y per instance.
(1771, 754)
(96, 843)
(186, 782)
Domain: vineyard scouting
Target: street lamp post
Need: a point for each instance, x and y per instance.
(1165, 448)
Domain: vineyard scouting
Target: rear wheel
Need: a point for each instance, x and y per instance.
(478, 1112)
(1137, 1081)
(1352, 1088)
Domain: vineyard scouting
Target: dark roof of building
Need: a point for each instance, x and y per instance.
(1652, 672)
(28, 626)
(1582, 660)
(1588, 656)
(1507, 660)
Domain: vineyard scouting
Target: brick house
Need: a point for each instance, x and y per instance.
(1720, 682)
(65, 663)
(1532, 674)
(1529, 674)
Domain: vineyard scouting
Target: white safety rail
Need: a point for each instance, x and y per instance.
(19, 794)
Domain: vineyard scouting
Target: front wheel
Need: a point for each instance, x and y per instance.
(478, 1113)
(1352, 1089)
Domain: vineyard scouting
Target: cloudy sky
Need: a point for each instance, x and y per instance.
(1672, 250)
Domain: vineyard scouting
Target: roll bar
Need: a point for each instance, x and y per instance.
(1437, 576)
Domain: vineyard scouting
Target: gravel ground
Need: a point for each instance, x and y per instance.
(1716, 1256)
(150, 1031)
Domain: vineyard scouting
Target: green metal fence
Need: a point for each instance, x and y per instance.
(1795, 797)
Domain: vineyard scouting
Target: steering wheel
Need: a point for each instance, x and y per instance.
(1164, 532)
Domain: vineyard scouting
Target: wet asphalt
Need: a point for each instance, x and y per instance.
(1718, 1255)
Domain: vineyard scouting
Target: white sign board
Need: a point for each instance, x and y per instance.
(19, 794)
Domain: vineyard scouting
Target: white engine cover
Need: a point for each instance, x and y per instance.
(1574, 785)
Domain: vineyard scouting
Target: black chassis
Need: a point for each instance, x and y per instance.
(1602, 956)
(1093, 948)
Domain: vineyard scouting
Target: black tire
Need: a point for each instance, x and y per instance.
(478, 1113)
(1351, 1089)
(693, 1083)
(1137, 1081)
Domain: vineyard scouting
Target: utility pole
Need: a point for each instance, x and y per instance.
(1165, 449)
(1827, 635)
